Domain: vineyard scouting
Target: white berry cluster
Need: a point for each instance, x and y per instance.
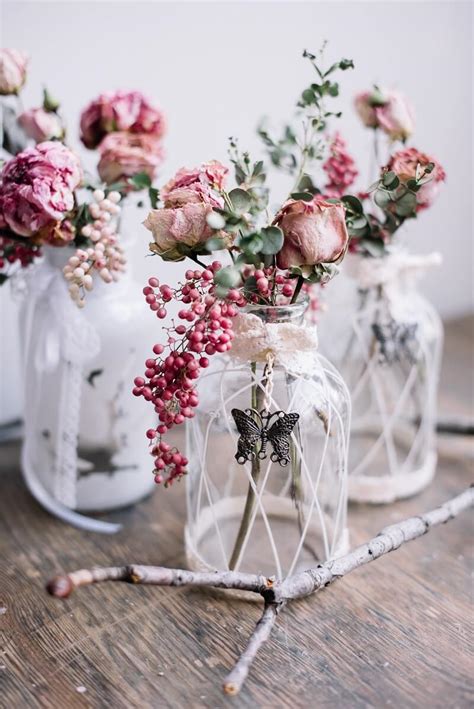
(105, 256)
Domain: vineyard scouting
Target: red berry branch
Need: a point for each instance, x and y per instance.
(170, 376)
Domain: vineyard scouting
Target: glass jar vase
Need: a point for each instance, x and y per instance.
(390, 359)
(267, 450)
(83, 447)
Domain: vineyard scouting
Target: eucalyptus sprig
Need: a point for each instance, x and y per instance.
(304, 144)
(397, 202)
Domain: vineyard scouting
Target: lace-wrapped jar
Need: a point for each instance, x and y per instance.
(83, 447)
(267, 450)
(390, 359)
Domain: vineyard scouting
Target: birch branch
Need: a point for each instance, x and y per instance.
(312, 580)
(276, 594)
(63, 586)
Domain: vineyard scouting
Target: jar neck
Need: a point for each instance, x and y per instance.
(292, 313)
(58, 256)
(375, 275)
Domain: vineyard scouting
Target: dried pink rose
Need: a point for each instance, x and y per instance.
(189, 197)
(404, 163)
(365, 109)
(205, 181)
(186, 225)
(389, 110)
(315, 232)
(37, 187)
(124, 155)
(13, 64)
(120, 111)
(41, 125)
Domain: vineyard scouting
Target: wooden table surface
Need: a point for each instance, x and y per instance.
(394, 633)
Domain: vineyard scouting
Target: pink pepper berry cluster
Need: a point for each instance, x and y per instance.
(14, 252)
(315, 306)
(204, 328)
(340, 169)
(105, 257)
(270, 282)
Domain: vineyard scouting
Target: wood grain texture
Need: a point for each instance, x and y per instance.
(397, 633)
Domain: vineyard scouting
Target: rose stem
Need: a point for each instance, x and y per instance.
(257, 402)
(297, 290)
(194, 258)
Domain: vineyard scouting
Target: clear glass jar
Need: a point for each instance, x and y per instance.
(283, 509)
(390, 359)
(84, 431)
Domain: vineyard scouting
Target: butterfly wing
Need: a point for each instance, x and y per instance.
(279, 434)
(385, 334)
(409, 342)
(250, 433)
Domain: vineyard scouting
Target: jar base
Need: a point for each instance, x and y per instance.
(204, 543)
(390, 488)
(107, 494)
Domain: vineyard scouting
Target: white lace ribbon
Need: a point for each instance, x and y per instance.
(387, 270)
(64, 344)
(293, 347)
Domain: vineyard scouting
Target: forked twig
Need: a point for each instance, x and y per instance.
(275, 593)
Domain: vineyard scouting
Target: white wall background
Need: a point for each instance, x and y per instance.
(216, 67)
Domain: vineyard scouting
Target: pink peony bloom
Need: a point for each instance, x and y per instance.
(37, 187)
(125, 154)
(41, 125)
(203, 181)
(13, 65)
(404, 164)
(315, 232)
(340, 168)
(389, 110)
(120, 111)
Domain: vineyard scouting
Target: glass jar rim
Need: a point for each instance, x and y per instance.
(283, 312)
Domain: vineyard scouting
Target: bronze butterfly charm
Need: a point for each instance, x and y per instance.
(257, 429)
(397, 340)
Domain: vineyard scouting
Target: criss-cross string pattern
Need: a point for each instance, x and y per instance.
(393, 450)
(268, 379)
(320, 448)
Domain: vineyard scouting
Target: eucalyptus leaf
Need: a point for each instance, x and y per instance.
(214, 244)
(228, 277)
(140, 181)
(240, 199)
(308, 96)
(406, 205)
(153, 195)
(390, 180)
(303, 196)
(251, 244)
(250, 285)
(382, 198)
(354, 203)
(306, 185)
(273, 238)
(413, 185)
(359, 222)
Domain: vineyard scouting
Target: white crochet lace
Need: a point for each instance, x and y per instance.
(291, 346)
(65, 346)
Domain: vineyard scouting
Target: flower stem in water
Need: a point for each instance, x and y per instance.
(257, 403)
